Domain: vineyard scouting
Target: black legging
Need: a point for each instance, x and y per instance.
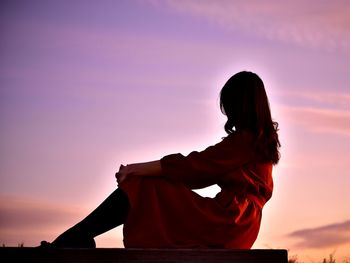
(111, 213)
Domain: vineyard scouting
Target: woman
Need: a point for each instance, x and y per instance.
(155, 201)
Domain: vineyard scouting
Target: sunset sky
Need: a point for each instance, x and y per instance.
(88, 85)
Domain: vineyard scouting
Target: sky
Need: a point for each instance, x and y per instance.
(88, 85)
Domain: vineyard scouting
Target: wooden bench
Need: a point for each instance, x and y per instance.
(121, 255)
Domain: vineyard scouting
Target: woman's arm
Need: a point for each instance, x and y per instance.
(201, 169)
(152, 168)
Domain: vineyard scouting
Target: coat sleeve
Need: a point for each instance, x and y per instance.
(201, 169)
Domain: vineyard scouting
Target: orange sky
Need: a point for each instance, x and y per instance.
(86, 86)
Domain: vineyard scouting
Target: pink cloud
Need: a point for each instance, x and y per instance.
(24, 211)
(306, 23)
(29, 220)
(320, 112)
(334, 99)
(318, 120)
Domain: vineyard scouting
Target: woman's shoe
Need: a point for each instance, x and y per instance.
(66, 240)
(45, 244)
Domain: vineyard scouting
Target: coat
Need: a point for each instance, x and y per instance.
(164, 212)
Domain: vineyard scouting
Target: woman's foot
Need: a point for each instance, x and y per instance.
(73, 240)
(74, 243)
(70, 239)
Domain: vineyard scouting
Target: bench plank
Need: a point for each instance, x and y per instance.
(121, 255)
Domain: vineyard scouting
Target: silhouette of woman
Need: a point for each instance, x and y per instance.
(155, 201)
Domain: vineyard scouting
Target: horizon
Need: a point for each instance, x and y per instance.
(87, 86)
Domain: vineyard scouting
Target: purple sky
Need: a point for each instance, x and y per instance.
(88, 85)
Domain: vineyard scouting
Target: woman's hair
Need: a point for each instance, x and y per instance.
(244, 101)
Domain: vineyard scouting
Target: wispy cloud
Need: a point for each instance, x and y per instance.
(29, 220)
(330, 99)
(320, 112)
(325, 236)
(318, 120)
(306, 23)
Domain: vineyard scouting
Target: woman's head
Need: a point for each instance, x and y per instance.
(244, 101)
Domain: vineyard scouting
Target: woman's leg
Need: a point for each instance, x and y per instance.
(111, 213)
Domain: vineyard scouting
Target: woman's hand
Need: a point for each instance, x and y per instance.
(138, 169)
(123, 173)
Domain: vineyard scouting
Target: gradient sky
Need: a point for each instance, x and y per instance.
(88, 85)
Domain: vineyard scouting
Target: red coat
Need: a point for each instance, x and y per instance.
(166, 213)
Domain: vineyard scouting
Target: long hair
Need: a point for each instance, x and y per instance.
(244, 101)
